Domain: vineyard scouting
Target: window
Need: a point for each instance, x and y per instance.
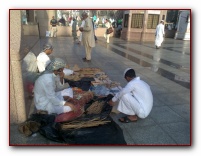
(153, 20)
(137, 20)
(126, 20)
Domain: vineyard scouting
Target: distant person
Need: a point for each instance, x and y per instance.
(97, 21)
(53, 23)
(62, 21)
(50, 92)
(43, 59)
(106, 35)
(94, 26)
(82, 25)
(87, 36)
(103, 22)
(135, 99)
(159, 35)
(74, 29)
(94, 18)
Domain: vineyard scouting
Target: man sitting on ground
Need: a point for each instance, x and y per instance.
(43, 59)
(50, 92)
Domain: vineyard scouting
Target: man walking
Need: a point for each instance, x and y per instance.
(159, 34)
(87, 36)
(106, 35)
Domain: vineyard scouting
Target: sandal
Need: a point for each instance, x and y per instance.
(126, 120)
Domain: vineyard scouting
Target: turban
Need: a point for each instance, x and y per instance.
(55, 64)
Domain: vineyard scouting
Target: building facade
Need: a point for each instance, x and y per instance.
(140, 25)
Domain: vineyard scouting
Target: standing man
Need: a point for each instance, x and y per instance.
(159, 34)
(107, 36)
(53, 23)
(87, 36)
(74, 29)
(135, 99)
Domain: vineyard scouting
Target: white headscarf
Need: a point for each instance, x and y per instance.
(126, 71)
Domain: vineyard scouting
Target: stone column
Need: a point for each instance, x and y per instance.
(183, 26)
(17, 102)
(144, 27)
(43, 18)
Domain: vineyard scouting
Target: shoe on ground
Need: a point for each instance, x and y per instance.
(85, 60)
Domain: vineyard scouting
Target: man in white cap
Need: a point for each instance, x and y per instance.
(135, 99)
(159, 35)
(50, 91)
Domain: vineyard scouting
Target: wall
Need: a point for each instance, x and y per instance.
(22, 40)
(143, 34)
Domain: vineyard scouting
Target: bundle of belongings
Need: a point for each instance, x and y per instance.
(91, 124)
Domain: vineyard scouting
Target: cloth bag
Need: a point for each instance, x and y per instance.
(109, 30)
(48, 33)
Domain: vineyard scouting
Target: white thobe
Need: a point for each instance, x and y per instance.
(88, 37)
(159, 34)
(107, 36)
(135, 98)
(48, 94)
(42, 61)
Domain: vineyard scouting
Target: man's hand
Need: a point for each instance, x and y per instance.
(111, 103)
(81, 29)
(67, 98)
(72, 106)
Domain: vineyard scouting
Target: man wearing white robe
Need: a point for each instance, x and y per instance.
(135, 99)
(159, 35)
(48, 89)
(43, 59)
(87, 36)
(107, 36)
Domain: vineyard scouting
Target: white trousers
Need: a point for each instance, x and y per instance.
(130, 106)
(107, 37)
(54, 32)
(61, 109)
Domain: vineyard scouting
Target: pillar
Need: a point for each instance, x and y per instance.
(17, 102)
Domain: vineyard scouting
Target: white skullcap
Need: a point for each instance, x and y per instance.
(126, 71)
